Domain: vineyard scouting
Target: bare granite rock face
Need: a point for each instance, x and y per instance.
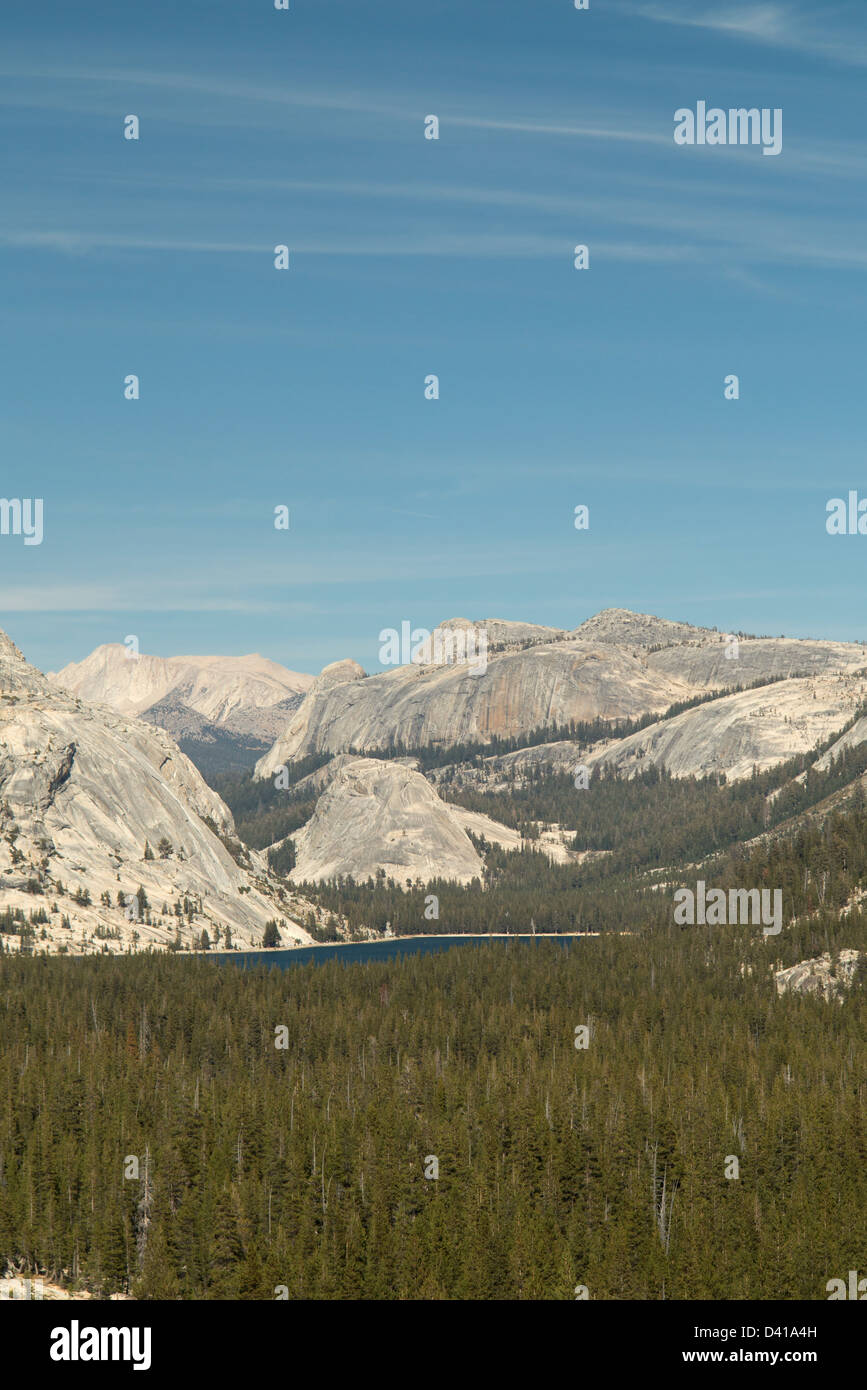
(815, 976)
(711, 660)
(371, 814)
(562, 756)
(377, 815)
(627, 629)
(82, 789)
(316, 782)
(734, 734)
(707, 667)
(33, 1288)
(521, 690)
(501, 632)
(616, 666)
(851, 739)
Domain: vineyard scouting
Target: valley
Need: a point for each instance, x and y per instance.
(454, 914)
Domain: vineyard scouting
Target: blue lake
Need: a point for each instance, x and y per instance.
(353, 952)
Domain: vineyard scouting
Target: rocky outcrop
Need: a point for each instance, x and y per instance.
(627, 629)
(500, 633)
(551, 841)
(820, 976)
(315, 783)
(376, 815)
(82, 789)
(506, 772)
(33, 1288)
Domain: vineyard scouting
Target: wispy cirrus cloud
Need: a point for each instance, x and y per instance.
(678, 237)
(39, 89)
(817, 30)
(766, 23)
(219, 85)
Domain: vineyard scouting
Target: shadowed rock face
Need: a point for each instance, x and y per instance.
(520, 691)
(220, 748)
(81, 790)
(383, 815)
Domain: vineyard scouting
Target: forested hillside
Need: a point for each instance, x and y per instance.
(821, 864)
(650, 822)
(658, 818)
(304, 1167)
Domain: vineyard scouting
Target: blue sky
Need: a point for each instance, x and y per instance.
(410, 257)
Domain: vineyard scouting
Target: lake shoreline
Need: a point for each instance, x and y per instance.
(386, 948)
(414, 936)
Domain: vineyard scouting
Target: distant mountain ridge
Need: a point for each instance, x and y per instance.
(231, 713)
(616, 667)
(224, 710)
(623, 692)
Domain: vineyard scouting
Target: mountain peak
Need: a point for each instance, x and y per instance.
(621, 625)
(9, 651)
